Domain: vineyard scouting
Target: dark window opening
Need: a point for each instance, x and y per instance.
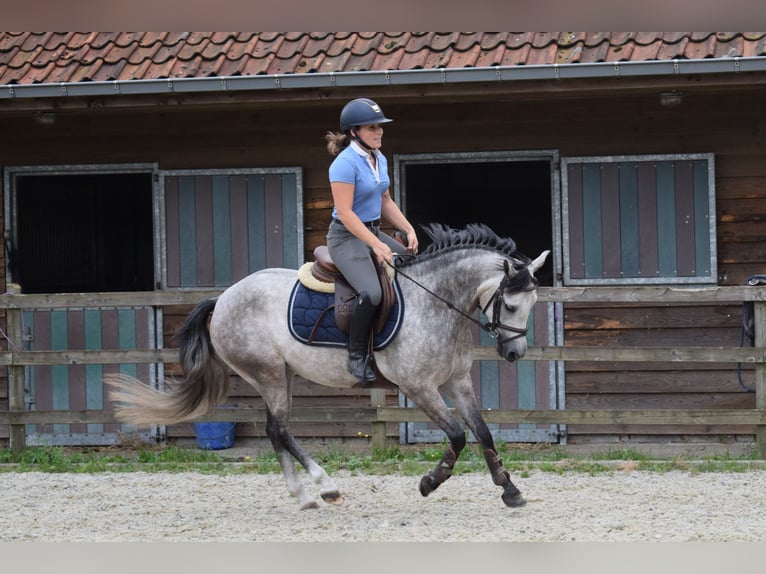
(513, 198)
(83, 233)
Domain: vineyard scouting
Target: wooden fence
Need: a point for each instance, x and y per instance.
(377, 414)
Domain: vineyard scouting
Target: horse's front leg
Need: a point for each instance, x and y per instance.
(433, 405)
(462, 394)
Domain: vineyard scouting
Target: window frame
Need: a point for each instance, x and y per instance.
(710, 278)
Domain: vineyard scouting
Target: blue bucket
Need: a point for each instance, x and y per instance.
(215, 436)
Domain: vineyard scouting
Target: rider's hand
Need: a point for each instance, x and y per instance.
(383, 253)
(412, 242)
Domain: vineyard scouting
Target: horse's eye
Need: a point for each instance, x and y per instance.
(510, 308)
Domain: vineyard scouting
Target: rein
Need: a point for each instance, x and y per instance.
(492, 327)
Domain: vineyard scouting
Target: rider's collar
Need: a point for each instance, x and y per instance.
(361, 151)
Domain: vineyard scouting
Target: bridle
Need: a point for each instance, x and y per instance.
(494, 326)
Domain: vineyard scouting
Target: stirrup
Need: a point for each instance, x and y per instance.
(361, 368)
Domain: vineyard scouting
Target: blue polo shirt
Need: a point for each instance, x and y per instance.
(352, 166)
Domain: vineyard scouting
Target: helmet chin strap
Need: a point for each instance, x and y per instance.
(352, 134)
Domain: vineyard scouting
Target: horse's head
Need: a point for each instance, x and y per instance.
(508, 308)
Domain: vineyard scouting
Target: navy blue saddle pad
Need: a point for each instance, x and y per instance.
(306, 306)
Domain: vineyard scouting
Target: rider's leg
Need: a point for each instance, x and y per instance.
(359, 359)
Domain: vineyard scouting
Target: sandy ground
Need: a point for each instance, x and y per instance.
(622, 506)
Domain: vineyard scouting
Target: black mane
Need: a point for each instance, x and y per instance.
(476, 235)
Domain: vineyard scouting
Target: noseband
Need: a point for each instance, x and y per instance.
(496, 301)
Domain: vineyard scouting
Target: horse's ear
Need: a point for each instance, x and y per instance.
(507, 267)
(537, 263)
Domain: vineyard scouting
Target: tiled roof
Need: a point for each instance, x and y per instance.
(52, 57)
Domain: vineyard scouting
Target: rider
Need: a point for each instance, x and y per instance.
(360, 189)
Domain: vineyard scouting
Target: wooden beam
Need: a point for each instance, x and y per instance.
(14, 324)
(747, 355)
(652, 294)
(111, 357)
(383, 414)
(759, 315)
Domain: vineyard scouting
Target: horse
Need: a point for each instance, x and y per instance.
(245, 329)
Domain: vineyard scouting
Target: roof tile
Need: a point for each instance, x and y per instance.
(34, 57)
(517, 57)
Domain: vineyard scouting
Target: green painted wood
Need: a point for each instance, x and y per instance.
(94, 388)
(59, 373)
(629, 238)
(187, 231)
(666, 218)
(222, 247)
(591, 185)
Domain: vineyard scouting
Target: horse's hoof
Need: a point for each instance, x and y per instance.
(427, 485)
(333, 497)
(514, 500)
(310, 505)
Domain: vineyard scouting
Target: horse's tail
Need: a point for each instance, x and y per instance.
(205, 382)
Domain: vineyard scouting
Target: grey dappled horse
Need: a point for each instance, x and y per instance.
(432, 353)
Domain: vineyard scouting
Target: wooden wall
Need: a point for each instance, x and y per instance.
(727, 122)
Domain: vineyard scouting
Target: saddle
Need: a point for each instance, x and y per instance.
(324, 271)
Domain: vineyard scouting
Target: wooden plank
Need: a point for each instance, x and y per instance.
(628, 205)
(289, 224)
(611, 241)
(273, 229)
(14, 324)
(666, 400)
(187, 231)
(238, 218)
(222, 225)
(666, 218)
(369, 415)
(89, 357)
(172, 232)
(542, 353)
(256, 222)
(107, 299)
(685, 223)
(702, 218)
(647, 216)
(575, 221)
(639, 380)
(592, 221)
(632, 354)
(650, 317)
(605, 295)
(203, 233)
(653, 294)
(760, 375)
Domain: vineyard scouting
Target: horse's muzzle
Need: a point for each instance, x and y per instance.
(512, 351)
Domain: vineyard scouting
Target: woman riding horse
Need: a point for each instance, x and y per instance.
(360, 189)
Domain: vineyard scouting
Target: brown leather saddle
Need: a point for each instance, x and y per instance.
(324, 270)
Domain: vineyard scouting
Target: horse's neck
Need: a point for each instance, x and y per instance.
(460, 276)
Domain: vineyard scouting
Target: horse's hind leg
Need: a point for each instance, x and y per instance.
(286, 448)
(463, 396)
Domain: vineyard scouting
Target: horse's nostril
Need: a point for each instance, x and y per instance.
(511, 356)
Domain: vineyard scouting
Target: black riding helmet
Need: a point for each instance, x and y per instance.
(361, 112)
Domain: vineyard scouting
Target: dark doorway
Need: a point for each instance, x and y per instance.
(511, 197)
(83, 233)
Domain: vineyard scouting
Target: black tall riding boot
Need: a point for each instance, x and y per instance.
(359, 360)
